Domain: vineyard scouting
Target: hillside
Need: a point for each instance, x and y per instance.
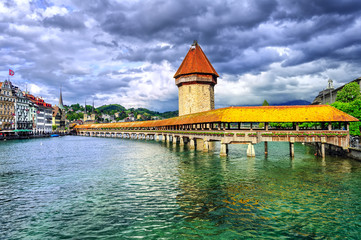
(111, 109)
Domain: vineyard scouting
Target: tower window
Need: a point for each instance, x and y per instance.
(189, 89)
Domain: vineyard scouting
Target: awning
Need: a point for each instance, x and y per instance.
(22, 130)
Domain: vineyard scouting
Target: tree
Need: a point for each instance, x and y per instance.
(354, 109)
(350, 92)
(265, 103)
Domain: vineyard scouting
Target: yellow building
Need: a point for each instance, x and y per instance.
(7, 106)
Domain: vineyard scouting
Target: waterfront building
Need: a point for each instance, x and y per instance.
(328, 95)
(195, 79)
(7, 106)
(43, 115)
(22, 110)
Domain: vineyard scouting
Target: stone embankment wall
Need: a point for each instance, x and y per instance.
(353, 153)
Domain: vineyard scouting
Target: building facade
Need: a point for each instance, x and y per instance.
(43, 117)
(7, 106)
(195, 79)
(328, 95)
(22, 110)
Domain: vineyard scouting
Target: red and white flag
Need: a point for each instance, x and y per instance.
(11, 72)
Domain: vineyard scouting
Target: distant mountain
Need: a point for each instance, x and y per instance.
(293, 102)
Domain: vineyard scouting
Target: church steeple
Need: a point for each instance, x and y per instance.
(61, 105)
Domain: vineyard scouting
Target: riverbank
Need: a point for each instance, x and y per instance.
(29, 136)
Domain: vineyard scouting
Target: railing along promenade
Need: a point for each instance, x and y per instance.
(227, 126)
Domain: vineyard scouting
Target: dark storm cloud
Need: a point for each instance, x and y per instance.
(67, 22)
(129, 50)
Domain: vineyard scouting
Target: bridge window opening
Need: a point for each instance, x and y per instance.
(233, 126)
(245, 125)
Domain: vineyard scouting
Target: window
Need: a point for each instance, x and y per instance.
(189, 89)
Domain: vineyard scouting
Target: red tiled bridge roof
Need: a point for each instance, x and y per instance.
(309, 113)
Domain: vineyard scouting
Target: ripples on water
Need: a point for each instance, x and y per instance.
(97, 188)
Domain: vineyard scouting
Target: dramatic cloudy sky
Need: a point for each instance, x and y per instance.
(127, 51)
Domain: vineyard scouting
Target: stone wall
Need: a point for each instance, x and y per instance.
(195, 98)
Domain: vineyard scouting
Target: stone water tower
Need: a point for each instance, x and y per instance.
(195, 79)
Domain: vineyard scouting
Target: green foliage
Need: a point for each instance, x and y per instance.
(77, 107)
(265, 103)
(354, 109)
(111, 107)
(309, 125)
(350, 92)
(53, 127)
(71, 116)
(282, 125)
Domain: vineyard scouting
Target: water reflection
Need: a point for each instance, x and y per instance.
(284, 196)
(77, 187)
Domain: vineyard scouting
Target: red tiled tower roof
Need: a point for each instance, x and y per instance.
(195, 62)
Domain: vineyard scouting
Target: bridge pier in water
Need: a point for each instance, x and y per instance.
(227, 136)
(250, 150)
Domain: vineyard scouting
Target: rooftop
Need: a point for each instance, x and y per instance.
(309, 113)
(195, 62)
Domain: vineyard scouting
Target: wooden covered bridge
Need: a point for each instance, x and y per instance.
(320, 124)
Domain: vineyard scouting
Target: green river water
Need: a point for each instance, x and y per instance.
(101, 188)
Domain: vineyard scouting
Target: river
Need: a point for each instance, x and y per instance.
(102, 188)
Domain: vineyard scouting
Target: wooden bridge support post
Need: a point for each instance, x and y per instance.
(167, 137)
(292, 147)
(250, 150)
(224, 149)
(323, 143)
(157, 137)
(266, 148)
(205, 145)
(323, 151)
(181, 141)
(174, 138)
(192, 144)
